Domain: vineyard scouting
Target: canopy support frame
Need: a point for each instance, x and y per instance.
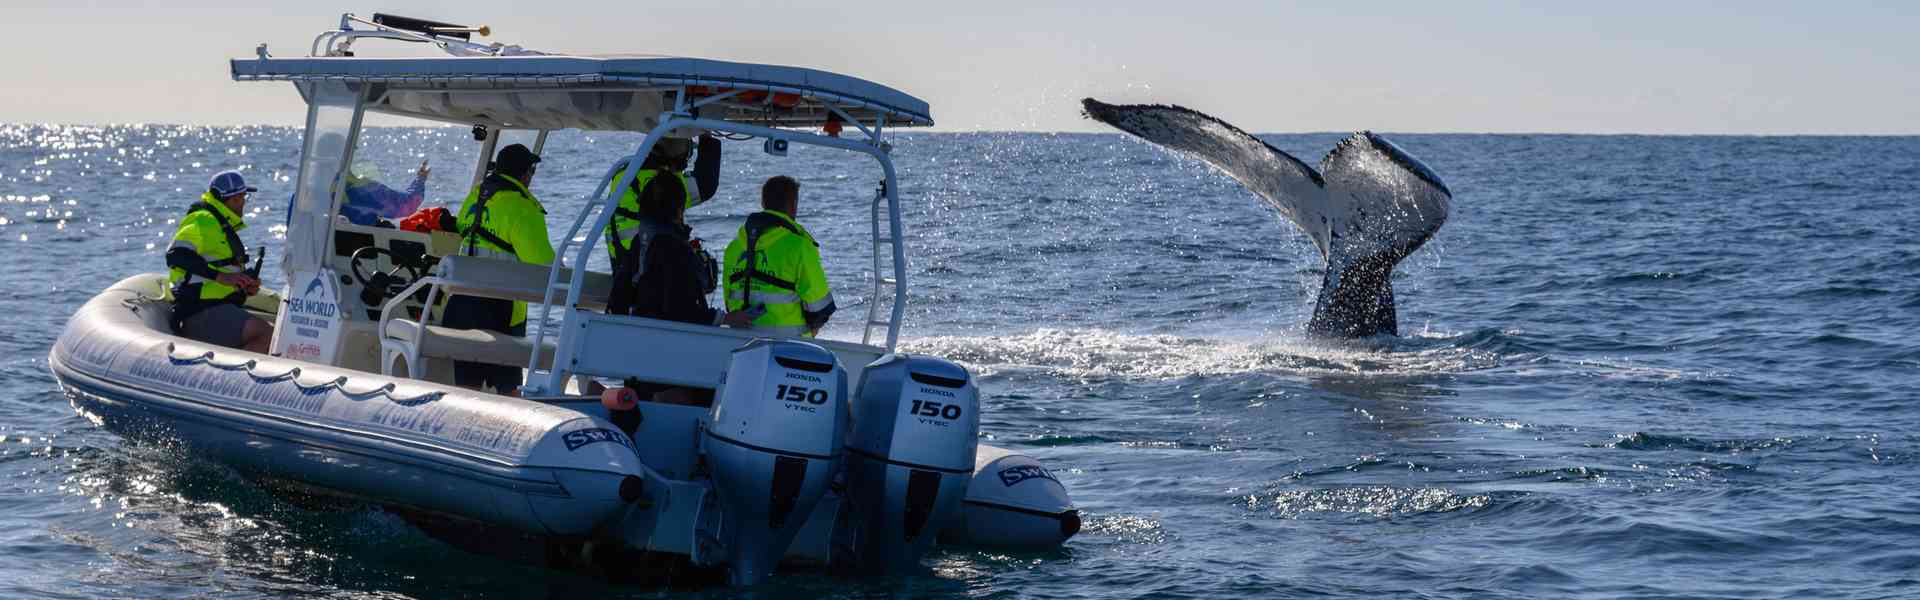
(583, 240)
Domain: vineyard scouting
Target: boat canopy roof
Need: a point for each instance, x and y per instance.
(594, 92)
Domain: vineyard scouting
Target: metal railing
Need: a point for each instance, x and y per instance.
(602, 214)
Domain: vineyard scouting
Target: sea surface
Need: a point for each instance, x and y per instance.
(1628, 367)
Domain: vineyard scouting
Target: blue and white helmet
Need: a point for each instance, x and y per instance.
(227, 184)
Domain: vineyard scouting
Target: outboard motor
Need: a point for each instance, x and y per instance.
(909, 459)
(1015, 503)
(773, 443)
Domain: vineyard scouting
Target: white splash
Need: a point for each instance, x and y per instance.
(1107, 354)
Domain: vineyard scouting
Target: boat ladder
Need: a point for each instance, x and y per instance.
(885, 286)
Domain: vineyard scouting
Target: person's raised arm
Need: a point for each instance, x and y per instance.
(706, 167)
(416, 193)
(395, 204)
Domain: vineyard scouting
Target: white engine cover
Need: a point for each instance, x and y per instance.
(909, 459)
(773, 442)
(1014, 502)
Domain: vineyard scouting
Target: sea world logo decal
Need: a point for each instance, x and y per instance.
(311, 321)
(581, 437)
(1013, 475)
(323, 306)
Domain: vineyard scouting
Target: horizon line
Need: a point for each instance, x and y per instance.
(936, 129)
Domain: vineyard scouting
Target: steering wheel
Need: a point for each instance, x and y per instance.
(389, 279)
(376, 288)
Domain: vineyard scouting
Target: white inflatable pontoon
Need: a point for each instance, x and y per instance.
(818, 451)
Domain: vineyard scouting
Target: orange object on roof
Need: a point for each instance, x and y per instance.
(779, 99)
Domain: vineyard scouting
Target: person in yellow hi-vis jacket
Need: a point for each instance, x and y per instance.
(669, 156)
(773, 265)
(500, 219)
(207, 266)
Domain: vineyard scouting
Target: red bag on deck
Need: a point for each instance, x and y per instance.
(429, 219)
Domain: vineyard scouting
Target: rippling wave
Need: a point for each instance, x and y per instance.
(1617, 376)
(1370, 501)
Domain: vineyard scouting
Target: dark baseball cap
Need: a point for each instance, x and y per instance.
(515, 158)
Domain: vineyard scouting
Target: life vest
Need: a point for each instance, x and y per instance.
(775, 263)
(225, 253)
(678, 290)
(501, 219)
(477, 237)
(626, 217)
(428, 220)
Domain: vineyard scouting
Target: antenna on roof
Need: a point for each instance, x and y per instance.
(455, 39)
(460, 32)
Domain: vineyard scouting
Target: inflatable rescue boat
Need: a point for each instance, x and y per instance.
(814, 451)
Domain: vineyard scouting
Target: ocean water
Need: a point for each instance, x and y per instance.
(1629, 367)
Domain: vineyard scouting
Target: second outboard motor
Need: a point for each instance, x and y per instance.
(909, 459)
(773, 444)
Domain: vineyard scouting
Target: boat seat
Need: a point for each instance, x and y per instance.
(515, 280)
(469, 345)
(405, 342)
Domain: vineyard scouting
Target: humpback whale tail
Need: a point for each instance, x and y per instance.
(1369, 205)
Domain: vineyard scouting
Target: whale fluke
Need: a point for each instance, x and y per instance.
(1368, 206)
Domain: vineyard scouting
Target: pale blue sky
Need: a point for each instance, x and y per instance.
(1625, 67)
